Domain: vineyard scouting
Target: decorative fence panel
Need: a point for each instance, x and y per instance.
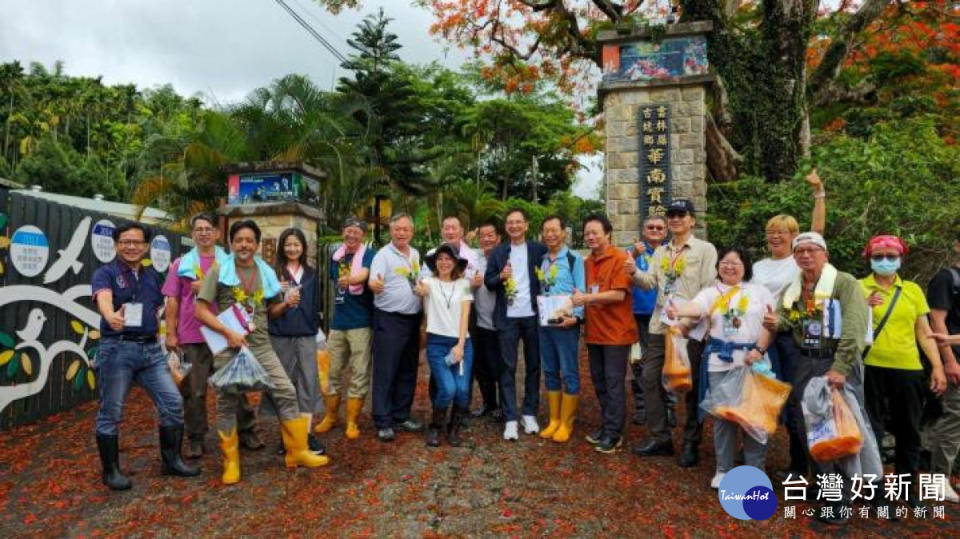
(49, 326)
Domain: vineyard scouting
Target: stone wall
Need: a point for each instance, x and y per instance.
(273, 219)
(688, 157)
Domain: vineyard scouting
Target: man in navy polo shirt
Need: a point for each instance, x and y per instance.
(128, 297)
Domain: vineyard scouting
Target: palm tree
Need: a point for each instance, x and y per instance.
(195, 181)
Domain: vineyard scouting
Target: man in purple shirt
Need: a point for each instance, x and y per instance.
(183, 334)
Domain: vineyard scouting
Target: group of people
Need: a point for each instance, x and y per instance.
(471, 310)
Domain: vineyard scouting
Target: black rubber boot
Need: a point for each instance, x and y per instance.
(639, 405)
(453, 427)
(109, 447)
(690, 455)
(436, 424)
(171, 463)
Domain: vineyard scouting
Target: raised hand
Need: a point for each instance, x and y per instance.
(421, 289)
(578, 298)
(293, 296)
(814, 180)
(630, 266)
(770, 319)
(875, 299)
(116, 320)
(507, 272)
(377, 285)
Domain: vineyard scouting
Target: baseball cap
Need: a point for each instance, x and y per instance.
(679, 205)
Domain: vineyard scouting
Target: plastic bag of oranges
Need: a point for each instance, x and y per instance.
(749, 399)
(676, 365)
(832, 429)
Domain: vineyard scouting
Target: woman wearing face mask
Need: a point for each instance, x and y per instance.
(894, 377)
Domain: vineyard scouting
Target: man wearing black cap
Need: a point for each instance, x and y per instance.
(678, 269)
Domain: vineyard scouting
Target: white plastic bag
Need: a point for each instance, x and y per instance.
(241, 374)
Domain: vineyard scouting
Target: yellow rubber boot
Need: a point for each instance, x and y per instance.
(354, 405)
(330, 415)
(294, 432)
(568, 413)
(230, 444)
(553, 398)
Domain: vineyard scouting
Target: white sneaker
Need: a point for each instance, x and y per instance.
(949, 494)
(510, 431)
(530, 425)
(715, 482)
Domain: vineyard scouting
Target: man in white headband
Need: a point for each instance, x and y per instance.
(825, 311)
(810, 237)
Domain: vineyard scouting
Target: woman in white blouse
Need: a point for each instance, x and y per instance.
(735, 309)
(447, 299)
(776, 272)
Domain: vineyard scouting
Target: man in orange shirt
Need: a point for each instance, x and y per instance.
(610, 329)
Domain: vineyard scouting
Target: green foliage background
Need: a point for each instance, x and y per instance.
(902, 179)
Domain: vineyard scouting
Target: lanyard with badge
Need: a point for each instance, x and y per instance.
(672, 270)
(812, 323)
(548, 273)
(595, 277)
(132, 310)
(732, 316)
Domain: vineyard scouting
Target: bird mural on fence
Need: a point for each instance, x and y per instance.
(31, 331)
(68, 256)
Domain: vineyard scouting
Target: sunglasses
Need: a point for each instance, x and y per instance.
(879, 258)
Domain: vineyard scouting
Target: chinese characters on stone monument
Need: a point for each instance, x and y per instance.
(654, 124)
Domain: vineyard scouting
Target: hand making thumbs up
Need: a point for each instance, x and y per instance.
(770, 319)
(377, 284)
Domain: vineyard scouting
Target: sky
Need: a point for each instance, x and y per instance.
(218, 48)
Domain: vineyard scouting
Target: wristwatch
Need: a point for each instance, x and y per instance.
(760, 349)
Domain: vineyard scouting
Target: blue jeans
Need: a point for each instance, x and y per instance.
(558, 354)
(120, 363)
(452, 385)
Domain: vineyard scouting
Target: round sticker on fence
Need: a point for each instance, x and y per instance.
(29, 250)
(160, 253)
(101, 240)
